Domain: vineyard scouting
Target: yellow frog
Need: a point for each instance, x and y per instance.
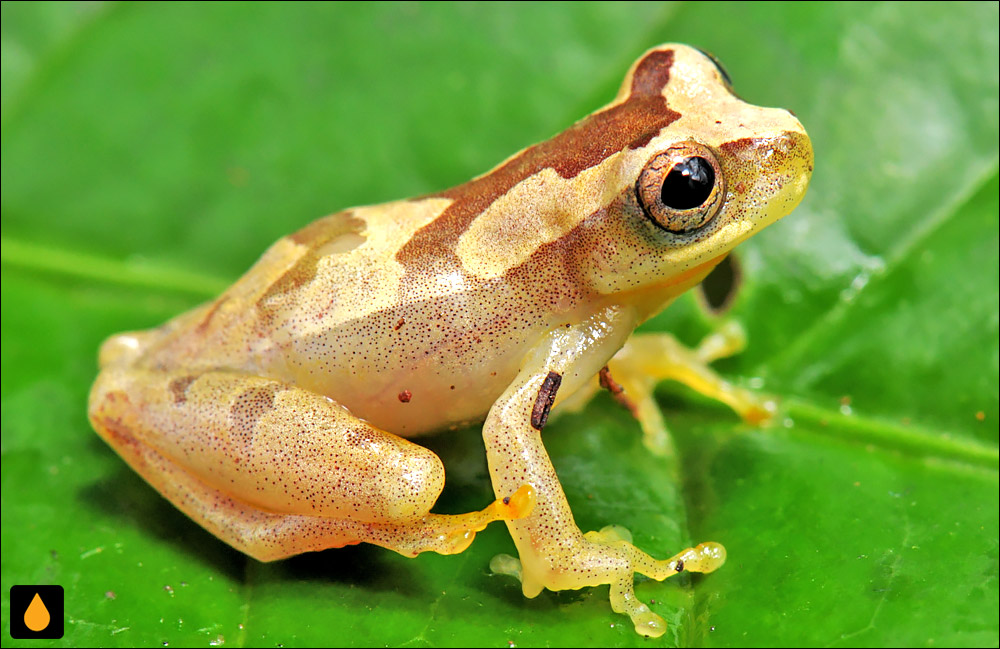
(276, 415)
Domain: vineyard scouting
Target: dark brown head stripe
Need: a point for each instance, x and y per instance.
(652, 73)
(328, 228)
(631, 123)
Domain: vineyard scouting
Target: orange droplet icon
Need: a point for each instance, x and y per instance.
(36, 617)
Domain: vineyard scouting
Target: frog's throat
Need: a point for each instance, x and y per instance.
(650, 300)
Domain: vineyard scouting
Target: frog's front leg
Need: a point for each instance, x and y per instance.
(275, 470)
(554, 554)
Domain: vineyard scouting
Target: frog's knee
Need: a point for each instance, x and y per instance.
(122, 349)
(413, 484)
(108, 397)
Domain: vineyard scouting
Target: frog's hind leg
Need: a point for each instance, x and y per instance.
(646, 359)
(275, 470)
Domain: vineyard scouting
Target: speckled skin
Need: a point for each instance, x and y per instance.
(275, 415)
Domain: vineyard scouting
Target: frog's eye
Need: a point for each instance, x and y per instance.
(681, 189)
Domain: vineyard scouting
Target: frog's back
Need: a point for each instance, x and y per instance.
(337, 308)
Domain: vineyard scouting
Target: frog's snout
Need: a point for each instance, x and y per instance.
(766, 176)
(797, 166)
(798, 146)
(781, 163)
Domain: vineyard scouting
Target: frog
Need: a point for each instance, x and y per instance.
(280, 416)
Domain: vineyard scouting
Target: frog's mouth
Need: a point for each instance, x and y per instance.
(691, 277)
(652, 299)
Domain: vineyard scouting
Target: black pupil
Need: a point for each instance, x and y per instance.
(688, 184)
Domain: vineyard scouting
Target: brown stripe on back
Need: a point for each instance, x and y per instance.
(328, 228)
(631, 123)
(207, 320)
(315, 236)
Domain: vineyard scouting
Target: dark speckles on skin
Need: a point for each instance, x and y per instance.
(735, 147)
(248, 407)
(359, 437)
(746, 147)
(737, 153)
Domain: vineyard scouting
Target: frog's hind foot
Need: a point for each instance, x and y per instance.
(646, 359)
(706, 557)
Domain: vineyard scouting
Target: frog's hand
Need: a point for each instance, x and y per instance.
(647, 359)
(554, 554)
(275, 470)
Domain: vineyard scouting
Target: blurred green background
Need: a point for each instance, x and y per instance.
(152, 151)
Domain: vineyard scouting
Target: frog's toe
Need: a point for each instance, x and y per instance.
(705, 557)
(454, 541)
(504, 564)
(623, 600)
(757, 409)
(609, 534)
(728, 340)
(456, 532)
(517, 505)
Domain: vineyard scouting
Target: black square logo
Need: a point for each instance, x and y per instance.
(36, 612)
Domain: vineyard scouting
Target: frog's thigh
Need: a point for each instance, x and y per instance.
(275, 470)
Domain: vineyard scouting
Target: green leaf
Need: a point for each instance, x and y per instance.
(152, 151)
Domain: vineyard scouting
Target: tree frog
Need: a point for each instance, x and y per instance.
(279, 416)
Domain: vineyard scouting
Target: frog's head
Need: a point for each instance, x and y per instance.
(708, 172)
(638, 200)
